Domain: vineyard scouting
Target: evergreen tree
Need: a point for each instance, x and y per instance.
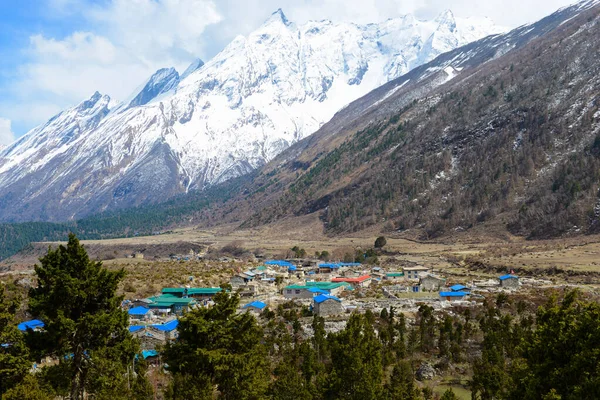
(76, 298)
(14, 355)
(449, 395)
(380, 242)
(28, 389)
(217, 347)
(562, 358)
(357, 371)
(402, 383)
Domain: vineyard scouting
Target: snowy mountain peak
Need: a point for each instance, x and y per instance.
(278, 17)
(216, 121)
(446, 21)
(160, 82)
(89, 103)
(195, 65)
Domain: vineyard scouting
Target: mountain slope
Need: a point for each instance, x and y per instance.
(215, 121)
(505, 129)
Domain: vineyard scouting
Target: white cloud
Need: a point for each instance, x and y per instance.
(126, 42)
(6, 134)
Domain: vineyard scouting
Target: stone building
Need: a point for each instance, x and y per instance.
(325, 304)
(431, 283)
(509, 281)
(255, 306)
(415, 272)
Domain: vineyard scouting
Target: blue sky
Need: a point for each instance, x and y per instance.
(56, 53)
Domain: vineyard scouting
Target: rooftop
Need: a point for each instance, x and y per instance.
(453, 294)
(138, 310)
(279, 263)
(324, 297)
(458, 287)
(207, 290)
(32, 324)
(167, 326)
(509, 276)
(255, 304)
(359, 279)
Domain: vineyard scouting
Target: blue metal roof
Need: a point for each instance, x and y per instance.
(140, 310)
(329, 265)
(292, 268)
(457, 287)
(149, 353)
(317, 290)
(256, 304)
(453, 294)
(167, 326)
(280, 263)
(136, 328)
(353, 264)
(509, 276)
(32, 324)
(322, 297)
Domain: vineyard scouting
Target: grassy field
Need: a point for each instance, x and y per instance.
(454, 256)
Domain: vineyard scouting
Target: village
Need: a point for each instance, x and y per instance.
(329, 289)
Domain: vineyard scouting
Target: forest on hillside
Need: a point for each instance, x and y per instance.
(145, 220)
(515, 141)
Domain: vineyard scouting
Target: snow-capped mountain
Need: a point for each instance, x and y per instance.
(217, 120)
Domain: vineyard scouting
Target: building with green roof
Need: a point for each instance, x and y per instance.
(307, 291)
(171, 304)
(197, 293)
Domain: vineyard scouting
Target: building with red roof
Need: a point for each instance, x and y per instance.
(359, 281)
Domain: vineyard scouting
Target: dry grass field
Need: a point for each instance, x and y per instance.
(461, 255)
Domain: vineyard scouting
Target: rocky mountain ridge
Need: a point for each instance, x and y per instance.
(215, 121)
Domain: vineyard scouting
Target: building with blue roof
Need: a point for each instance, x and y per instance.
(136, 328)
(149, 353)
(326, 304)
(256, 306)
(459, 288)
(34, 324)
(139, 312)
(167, 326)
(327, 268)
(280, 263)
(453, 296)
(509, 281)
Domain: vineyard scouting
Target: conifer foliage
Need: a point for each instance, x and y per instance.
(76, 298)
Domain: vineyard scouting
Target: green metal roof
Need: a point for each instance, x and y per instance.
(168, 301)
(326, 285)
(173, 290)
(207, 290)
(261, 268)
(394, 274)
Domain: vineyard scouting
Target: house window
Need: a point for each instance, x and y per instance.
(289, 291)
(297, 291)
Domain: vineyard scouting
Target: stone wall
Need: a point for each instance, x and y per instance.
(328, 307)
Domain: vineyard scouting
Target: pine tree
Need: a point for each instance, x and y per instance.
(76, 298)
(449, 395)
(357, 370)
(562, 358)
(402, 383)
(14, 354)
(217, 347)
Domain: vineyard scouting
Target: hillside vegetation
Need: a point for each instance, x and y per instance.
(516, 138)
